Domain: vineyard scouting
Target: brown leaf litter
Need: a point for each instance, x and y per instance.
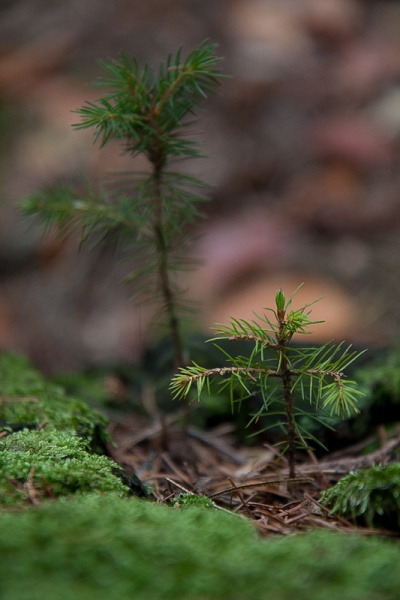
(173, 457)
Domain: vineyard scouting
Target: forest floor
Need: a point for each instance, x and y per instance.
(304, 147)
(253, 481)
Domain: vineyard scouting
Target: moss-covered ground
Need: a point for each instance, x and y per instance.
(71, 530)
(107, 547)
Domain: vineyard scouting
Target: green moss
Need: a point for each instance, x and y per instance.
(54, 464)
(27, 400)
(193, 500)
(51, 441)
(88, 385)
(105, 547)
(370, 496)
(381, 378)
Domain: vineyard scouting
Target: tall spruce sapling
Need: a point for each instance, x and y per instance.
(149, 115)
(279, 372)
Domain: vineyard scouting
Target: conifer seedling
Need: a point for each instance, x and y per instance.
(279, 372)
(149, 114)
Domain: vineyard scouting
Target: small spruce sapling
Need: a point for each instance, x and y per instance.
(151, 211)
(279, 371)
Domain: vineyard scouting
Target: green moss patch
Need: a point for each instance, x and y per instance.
(28, 401)
(51, 444)
(370, 496)
(35, 465)
(104, 547)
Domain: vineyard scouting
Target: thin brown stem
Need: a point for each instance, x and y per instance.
(163, 269)
(289, 404)
(286, 376)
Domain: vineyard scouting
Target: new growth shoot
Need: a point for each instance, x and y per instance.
(279, 371)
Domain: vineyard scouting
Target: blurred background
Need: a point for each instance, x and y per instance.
(303, 156)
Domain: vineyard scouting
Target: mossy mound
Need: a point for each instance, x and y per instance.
(51, 445)
(37, 465)
(105, 547)
(28, 401)
(370, 496)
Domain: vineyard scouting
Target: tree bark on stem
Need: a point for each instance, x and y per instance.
(289, 404)
(163, 272)
(286, 376)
